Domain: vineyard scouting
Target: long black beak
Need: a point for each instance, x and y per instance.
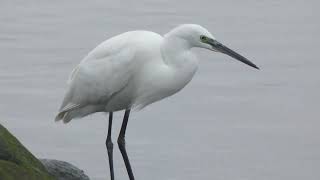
(224, 49)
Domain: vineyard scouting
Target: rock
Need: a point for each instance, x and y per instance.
(16, 162)
(63, 170)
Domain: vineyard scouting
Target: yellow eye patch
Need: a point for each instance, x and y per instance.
(203, 38)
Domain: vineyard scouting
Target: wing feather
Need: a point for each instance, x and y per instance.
(105, 71)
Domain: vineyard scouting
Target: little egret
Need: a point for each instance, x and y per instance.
(133, 70)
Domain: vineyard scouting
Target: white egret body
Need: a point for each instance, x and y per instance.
(135, 69)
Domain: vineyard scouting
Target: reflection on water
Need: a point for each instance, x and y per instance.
(231, 122)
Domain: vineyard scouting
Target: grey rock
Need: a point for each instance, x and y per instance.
(63, 170)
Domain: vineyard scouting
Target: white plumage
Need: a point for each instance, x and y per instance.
(134, 69)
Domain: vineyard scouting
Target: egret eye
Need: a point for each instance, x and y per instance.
(203, 38)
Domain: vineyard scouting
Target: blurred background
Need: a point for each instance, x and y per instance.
(230, 122)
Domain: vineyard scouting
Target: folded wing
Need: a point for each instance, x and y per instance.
(105, 71)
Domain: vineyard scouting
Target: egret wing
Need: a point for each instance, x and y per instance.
(105, 71)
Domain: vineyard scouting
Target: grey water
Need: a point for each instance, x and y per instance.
(231, 122)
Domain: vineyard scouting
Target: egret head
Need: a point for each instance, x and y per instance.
(197, 36)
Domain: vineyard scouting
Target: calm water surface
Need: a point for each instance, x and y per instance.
(231, 123)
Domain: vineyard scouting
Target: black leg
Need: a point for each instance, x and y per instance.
(122, 144)
(109, 145)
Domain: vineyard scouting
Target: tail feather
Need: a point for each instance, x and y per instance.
(77, 112)
(63, 114)
(59, 116)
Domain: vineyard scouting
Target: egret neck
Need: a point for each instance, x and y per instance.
(176, 52)
(180, 61)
